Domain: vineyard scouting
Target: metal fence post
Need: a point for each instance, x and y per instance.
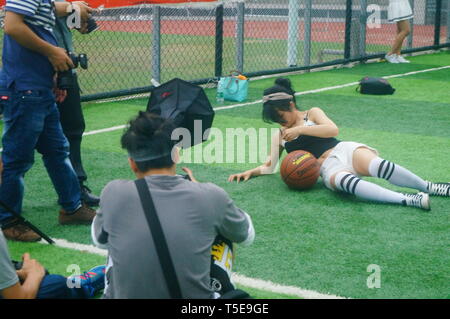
(219, 41)
(307, 39)
(355, 48)
(411, 34)
(363, 28)
(437, 23)
(448, 22)
(294, 6)
(240, 23)
(348, 29)
(156, 44)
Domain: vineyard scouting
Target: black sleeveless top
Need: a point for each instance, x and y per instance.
(313, 144)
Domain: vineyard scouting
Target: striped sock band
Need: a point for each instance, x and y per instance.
(396, 174)
(351, 184)
(347, 183)
(385, 169)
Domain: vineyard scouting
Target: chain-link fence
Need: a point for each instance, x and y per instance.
(204, 41)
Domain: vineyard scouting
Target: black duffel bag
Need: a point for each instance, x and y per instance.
(376, 86)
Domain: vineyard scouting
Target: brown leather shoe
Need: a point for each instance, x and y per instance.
(82, 216)
(21, 232)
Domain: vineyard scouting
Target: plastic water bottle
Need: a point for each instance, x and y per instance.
(219, 97)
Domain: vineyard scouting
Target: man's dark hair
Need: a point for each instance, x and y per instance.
(148, 141)
(270, 108)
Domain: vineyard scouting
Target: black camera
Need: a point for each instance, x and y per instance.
(91, 25)
(67, 79)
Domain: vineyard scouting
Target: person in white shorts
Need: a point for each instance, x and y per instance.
(399, 12)
(342, 163)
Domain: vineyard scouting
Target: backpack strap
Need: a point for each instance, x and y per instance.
(159, 239)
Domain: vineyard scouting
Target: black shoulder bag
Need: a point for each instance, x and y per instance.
(375, 86)
(159, 239)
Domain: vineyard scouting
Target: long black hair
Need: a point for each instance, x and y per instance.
(271, 107)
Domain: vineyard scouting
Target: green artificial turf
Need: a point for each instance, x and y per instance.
(316, 239)
(67, 262)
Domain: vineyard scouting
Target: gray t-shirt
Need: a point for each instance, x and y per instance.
(192, 215)
(8, 276)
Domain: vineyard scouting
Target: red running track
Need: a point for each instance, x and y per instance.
(321, 31)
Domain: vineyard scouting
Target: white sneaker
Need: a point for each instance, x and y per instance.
(391, 58)
(439, 189)
(419, 200)
(401, 59)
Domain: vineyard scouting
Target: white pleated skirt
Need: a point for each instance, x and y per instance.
(399, 10)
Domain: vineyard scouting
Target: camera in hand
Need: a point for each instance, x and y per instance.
(19, 264)
(67, 79)
(91, 25)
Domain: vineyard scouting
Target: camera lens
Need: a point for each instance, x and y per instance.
(83, 59)
(91, 25)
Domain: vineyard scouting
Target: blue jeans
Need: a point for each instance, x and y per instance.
(55, 287)
(31, 121)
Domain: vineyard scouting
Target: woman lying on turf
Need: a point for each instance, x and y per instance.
(342, 163)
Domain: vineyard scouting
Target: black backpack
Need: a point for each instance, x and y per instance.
(376, 86)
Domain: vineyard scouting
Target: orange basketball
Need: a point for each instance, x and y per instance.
(300, 170)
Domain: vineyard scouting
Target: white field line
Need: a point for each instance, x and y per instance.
(276, 288)
(120, 127)
(105, 130)
(298, 94)
(237, 278)
(335, 87)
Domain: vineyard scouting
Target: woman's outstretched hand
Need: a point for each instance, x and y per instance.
(244, 176)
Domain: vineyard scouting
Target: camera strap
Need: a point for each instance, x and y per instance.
(159, 239)
(60, 29)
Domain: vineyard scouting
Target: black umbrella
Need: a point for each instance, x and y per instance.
(186, 105)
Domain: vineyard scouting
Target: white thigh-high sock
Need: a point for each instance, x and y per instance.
(352, 184)
(396, 174)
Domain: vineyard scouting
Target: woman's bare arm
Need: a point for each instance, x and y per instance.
(325, 126)
(268, 167)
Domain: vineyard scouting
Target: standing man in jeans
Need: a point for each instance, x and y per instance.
(31, 58)
(71, 114)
